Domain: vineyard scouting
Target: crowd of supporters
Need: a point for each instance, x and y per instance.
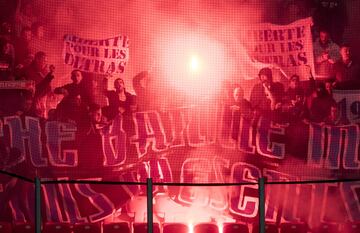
(22, 58)
(312, 103)
(308, 101)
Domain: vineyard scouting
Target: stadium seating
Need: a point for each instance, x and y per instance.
(293, 228)
(57, 228)
(269, 228)
(142, 228)
(327, 228)
(87, 228)
(235, 228)
(5, 227)
(175, 228)
(206, 228)
(23, 228)
(119, 227)
(351, 227)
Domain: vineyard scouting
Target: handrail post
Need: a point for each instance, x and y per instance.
(37, 205)
(149, 192)
(262, 205)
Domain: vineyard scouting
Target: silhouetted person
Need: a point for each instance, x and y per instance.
(90, 141)
(22, 46)
(71, 107)
(294, 89)
(266, 95)
(326, 53)
(120, 101)
(42, 75)
(331, 14)
(321, 105)
(237, 108)
(347, 70)
(6, 61)
(144, 96)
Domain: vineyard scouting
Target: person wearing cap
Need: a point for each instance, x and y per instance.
(347, 70)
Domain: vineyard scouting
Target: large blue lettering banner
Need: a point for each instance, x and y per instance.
(189, 145)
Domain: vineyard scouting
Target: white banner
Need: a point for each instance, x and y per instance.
(288, 47)
(105, 56)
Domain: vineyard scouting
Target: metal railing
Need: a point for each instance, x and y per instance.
(149, 184)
